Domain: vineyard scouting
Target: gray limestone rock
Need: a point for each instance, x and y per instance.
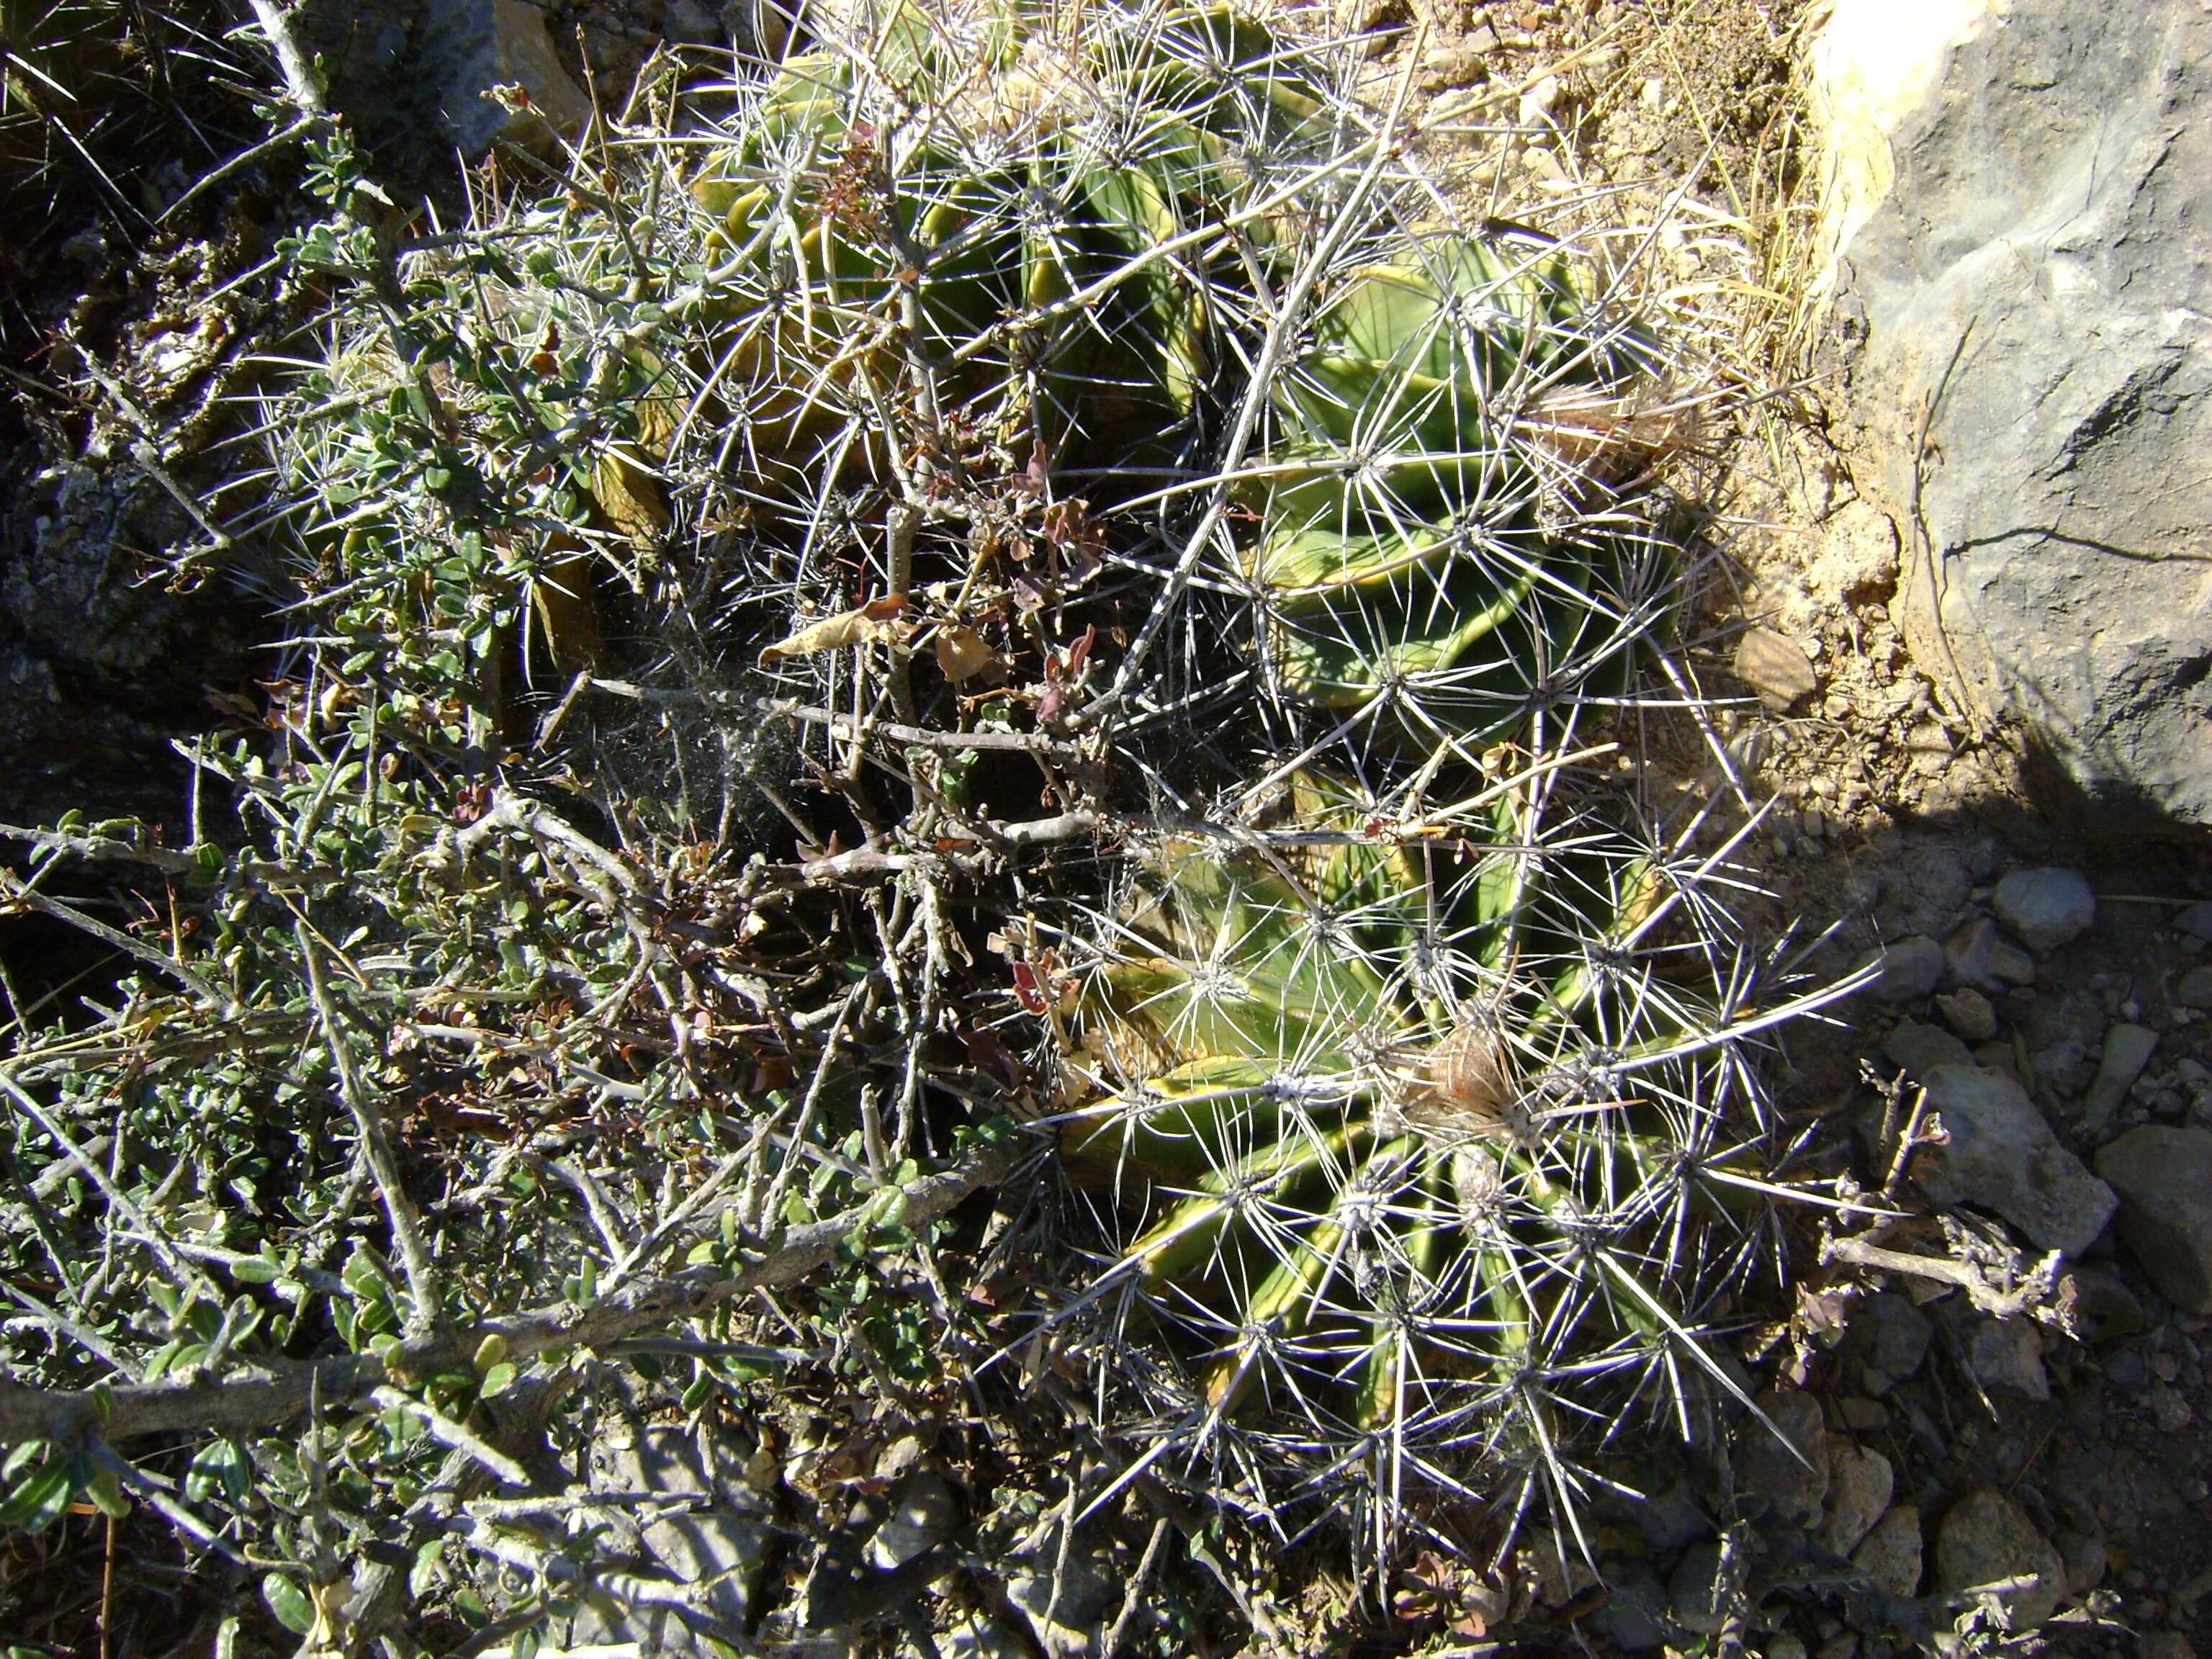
(1921, 1049)
(2024, 311)
(2128, 1050)
(2046, 908)
(1696, 1591)
(1065, 1618)
(1860, 1481)
(414, 77)
(1987, 1540)
(710, 1560)
(2000, 1154)
(925, 1512)
(1897, 1334)
(1911, 968)
(1982, 958)
(982, 1638)
(721, 1555)
(1634, 1616)
(1673, 1519)
(2065, 1033)
(688, 23)
(2006, 1357)
(1968, 1013)
(2163, 1178)
(1890, 1554)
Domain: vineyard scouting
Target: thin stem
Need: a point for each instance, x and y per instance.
(415, 1259)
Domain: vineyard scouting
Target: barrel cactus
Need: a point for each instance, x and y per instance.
(1405, 1085)
(1431, 1133)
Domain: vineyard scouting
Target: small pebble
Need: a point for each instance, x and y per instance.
(2045, 909)
(1898, 1333)
(1910, 969)
(1536, 102)
(1987, 1538)
(1774, 666)
(1860, 1482)
(2195, 921)
(1969, 1013)
(1863, 1415)
(2087, 1561)
(2006, 1355)
(1980, 955)
(2128, 1050)
(1891, 1553)
(2195, 989)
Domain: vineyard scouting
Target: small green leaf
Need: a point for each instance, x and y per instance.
(497, 1380)
(422, 1576)
(41, 1500)
(290, 1604)
(104, 1488)
(219, 1468)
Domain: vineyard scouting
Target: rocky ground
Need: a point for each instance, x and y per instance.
(2029, 1069)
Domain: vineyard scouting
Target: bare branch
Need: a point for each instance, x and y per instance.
(282, 1392)
(2037, 1295)
(458, 1436)
(15, 892)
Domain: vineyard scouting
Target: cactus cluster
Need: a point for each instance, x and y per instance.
(1432, 1134)
(985, 373)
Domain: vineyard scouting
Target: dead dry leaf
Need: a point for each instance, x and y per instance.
(631, 498)
(962, 653)
(876, 620)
